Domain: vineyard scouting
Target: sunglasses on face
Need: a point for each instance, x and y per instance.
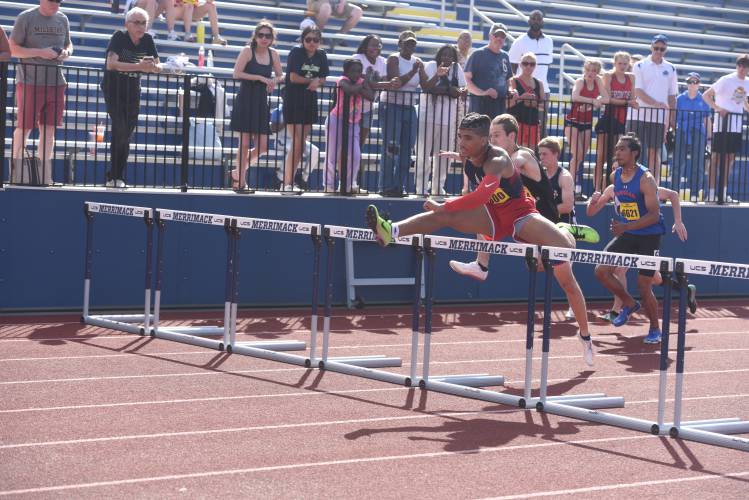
(692, 82)
(267, 36)
(659, 49)
(56, 1)
(137, 23)
(528, 63)
(310, 39)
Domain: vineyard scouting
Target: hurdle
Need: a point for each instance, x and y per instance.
(272, 349)
(715, 431)
(471, 386)
(194, 335)
(129, 323)
(583, 407)
(367, 366)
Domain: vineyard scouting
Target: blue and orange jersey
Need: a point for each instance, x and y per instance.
(629, 202)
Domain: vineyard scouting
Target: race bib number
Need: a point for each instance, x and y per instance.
(499, 196)
(629, 211)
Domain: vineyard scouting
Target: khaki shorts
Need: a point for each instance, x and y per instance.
(314, 6)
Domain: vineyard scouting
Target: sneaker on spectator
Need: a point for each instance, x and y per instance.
(299, 181)
(624, 314)
(587, 349)
(172, 36)
(653, 336)
(218, 40)
(570, 314)
(110, 183)
(470, 269)
(120, 183)
(190, 38)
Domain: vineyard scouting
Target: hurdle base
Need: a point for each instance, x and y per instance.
(592, 415)
(707, 437)
(376, 361)
(272, 355)
(437, 385)
(718, 425)
(185, 338)
(347, 368)
(195, 330)
(123, 323)
(587, 401)
(275, 345)
(470, 380)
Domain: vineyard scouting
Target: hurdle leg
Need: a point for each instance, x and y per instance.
(665, 331)
(328, 299)
(316, 243)
(160, 229)
(88, 261)
(146, 330)
(531, 262)
(418, 262)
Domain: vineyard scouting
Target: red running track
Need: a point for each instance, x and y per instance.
(87, 412)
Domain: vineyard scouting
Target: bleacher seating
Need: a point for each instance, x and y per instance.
(703, 37)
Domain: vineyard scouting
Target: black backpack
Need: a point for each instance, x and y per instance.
(206, 101)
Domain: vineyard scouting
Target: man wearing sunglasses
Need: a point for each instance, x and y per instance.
(656, 87)
(41, 40)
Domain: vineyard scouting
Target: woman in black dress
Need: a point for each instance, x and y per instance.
(307, 68)
(250, 115)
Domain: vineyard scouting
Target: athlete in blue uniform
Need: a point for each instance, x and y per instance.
(637, 227)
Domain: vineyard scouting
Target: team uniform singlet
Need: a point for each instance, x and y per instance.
(541, 191)
(510, 201)
(569, 218)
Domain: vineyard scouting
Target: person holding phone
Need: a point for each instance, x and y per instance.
(130, 53)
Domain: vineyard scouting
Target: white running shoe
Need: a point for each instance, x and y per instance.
(570, 314)
(172, 36)
(110, 183)
(470, 269)
(587, 350)
(120, 183)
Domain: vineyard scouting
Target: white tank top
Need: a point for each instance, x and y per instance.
(408, 91)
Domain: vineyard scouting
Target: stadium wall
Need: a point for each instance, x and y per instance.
(42, 245)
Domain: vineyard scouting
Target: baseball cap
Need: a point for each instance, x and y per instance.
(660, 38)
(498, 27)
(407, 35)
(693, 76)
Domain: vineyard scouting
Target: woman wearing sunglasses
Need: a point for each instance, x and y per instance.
(525, 102)
(306, 70)
(250, 115)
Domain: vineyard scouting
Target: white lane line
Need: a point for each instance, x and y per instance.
(609, 487)
(327, 463)
(275, 370)
(420, 415)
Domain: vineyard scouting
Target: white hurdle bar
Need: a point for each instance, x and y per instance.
(367, 366)
(129, 323)
(470, 386)
(193, 335)
(272, 350)
(584, 407)
(716, 431)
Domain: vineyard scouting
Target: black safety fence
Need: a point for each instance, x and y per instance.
(202, 131)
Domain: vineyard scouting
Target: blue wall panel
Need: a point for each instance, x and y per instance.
(42, 241)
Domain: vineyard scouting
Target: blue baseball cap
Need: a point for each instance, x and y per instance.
(693, 76)
(660, 37)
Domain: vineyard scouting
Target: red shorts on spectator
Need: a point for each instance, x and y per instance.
(40, 104)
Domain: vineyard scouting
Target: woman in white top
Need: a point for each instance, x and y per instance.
(438, 118)
(375, 72)
(398, 116)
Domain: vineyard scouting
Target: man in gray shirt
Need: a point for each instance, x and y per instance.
(41, 40)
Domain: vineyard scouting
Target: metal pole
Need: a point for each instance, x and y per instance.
(442, 14)
(430, 257)
(547, 326)
(328, 297)
(471, 6)
(316, 244)
(665, 330)
(185, 132)
(530, 322)
(88, 258)
(680, 344)
(149, 274)
(418, 261)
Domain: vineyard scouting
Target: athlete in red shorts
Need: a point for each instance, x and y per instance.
(499, 207)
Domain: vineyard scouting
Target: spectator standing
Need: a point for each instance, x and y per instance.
(464, 44)
(619, 85)
(41, 40)
(4, 47)
(398, 116)
(307, 68)
(323, 10)
(526, 99)
(352, 87)
(130, 52)
(656, 87)
(375, 72)
(588, 93)
(486, 73)
(438, 118)
(310, 152)
(540, 44)
(692, 126)
(728, 98)
(250, 116)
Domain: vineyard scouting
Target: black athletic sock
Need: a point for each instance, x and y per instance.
(482, 267)
(585, 337)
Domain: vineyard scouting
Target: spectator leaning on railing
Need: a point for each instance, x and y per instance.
(692, 126)
(41, 40)
(487, 72)
(656, 86)
(526, 100)
(588, 93)
(728, 98)
(130, 52)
